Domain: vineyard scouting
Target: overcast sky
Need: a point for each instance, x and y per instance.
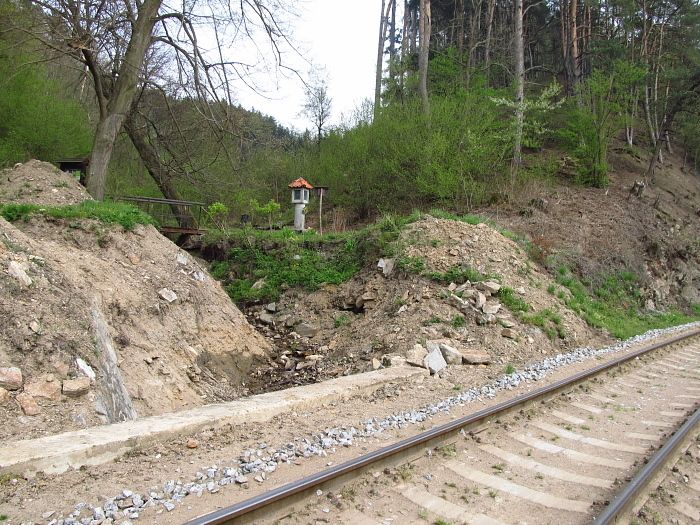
(339, 36)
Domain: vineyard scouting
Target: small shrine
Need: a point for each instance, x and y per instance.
(300, 198)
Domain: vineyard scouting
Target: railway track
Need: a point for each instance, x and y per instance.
(584, 448)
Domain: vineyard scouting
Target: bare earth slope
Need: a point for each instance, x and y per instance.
(156, 330)
(599, 231)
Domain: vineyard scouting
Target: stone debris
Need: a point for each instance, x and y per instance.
(434, 361)
(509, 333)
(475, 357)
(85, 368)
(376, 364)
(167, 295)
(11, 378)
(46, 388)
(16, 270)
(394, 360)
(4, 395)
(28, 404)
(491, 308)
(416, 355)
(35, 327)
(307, 329)
(182, 259)
(386, 266)
(266, 318)
(192, 443)
(488, 286)
(271, 307)
(76, 387)
(480, 300)
(451, 355)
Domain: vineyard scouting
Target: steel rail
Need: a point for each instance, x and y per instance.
(626, 499)
(240, 510)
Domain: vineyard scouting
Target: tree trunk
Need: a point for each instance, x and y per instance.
(519, 93)
(158, 172)
(121, 97)
(487, 45)
(423, 55)
(380, 57)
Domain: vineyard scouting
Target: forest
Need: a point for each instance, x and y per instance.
(473, 100)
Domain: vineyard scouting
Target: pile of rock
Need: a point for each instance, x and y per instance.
(45, 387)
(480, 299)
(437, 354)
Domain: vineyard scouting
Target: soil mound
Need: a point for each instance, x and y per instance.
(37, 182)
(357, 325)
(98, 324)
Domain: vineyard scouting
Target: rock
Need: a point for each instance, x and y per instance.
(46, 388)
(27, 403)
(434, 361)
(509, 333)
(10, 378)
(520, 290)
(271, 307)
(506, 323)
(35, 327)
(259, 284)
(479, 300)
(182, 259)
(167, 295)
(485, 319)
(393, 360)
(462, 288)
(267, 318)
(85, 368)
(491, 308)
(649, 305)
(476, 357)
(369, 296)
(386, 266)
(15, 270)
(192, 443)
(168, 506)
(416, 355)
(4, 396)
(133, 258)
(376, 364)
(76, 387)
(489, 286)
(452, 355)
(307, 329)
(452, 287)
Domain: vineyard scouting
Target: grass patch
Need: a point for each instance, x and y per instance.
(616, 305)
(121, 213)
(457, 275)
(514, 303)
(548, 320)
(341, 320)
(458, 321)
(510, 369)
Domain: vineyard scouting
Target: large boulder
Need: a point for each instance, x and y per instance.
(11, 378)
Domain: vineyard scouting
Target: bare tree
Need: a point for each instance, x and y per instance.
(317, 106)
(423, 53)
(114, 39)
(519, 92)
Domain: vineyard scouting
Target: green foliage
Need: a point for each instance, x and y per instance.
(458, 321)
(121, 213)
(549, 321)
(602, 101)
(217, 211)
(457, 275)
(281, 259)
(510, 369)
(271, 209)
(341, 320)
(512, 301)
(38, 117)
(616, 305)
(414, 265)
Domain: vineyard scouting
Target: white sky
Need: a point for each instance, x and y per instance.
(339, 36)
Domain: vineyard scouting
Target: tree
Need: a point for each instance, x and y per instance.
(423, 53)
(317, 106)
(123, 44)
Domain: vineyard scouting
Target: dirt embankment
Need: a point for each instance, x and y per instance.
(344, 329)
(601, 231)
(104, 323)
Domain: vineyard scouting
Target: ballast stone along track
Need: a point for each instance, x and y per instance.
(559, 462)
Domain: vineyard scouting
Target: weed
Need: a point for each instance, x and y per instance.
(539, 476)
(423, 514)
(341, 320)
(434, 319)
(476, 491)
(458, 321)
(414, 265)
(584, 427)
(514, 303)
(493, 493)
(510, 369)
(4, 517)
(498, 467)
(551, 289)
(348, 493)
(447, 451)
(405, 472)
(457, 274)
(457, 388)
(451, 485)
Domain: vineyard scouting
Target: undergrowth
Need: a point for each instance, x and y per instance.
(127, 215)
(616, 305)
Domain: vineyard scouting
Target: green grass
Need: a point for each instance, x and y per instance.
(510, 369)
(616, 305)
(514, 303)
(121, 213)
(341, 320)
(548, 320)
(458, 321)
(457, 275)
